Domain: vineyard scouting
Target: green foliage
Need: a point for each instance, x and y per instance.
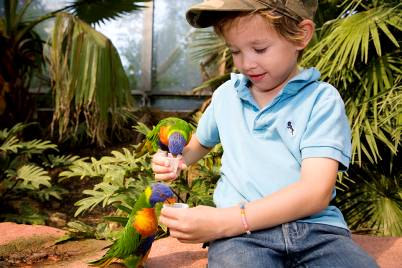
(99, 11)
(123, 176)
(88, 81)
(372, 201)
(91, 91)
(214, 57)
(359, 53)
(197, 184)
(27, 215)
(79, 230)
(25, 172)
(20, 56)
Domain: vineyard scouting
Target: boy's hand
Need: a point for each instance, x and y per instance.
(194, 225)
(166, 167)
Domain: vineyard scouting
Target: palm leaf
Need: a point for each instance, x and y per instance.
(89, 80)
(352, 56)
(96, 11)
(351, 36)
(214, 57)
(373, 200)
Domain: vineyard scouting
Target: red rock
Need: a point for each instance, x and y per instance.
(387, 251)
(10, 231)
(170, 253)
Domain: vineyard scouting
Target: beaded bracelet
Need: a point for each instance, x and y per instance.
(243, 218)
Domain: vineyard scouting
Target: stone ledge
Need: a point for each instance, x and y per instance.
(165, 253)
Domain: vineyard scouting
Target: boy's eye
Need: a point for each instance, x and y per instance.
(260, 50)
(234, 52)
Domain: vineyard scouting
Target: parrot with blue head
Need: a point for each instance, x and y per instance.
(170, 134)
(134, 243)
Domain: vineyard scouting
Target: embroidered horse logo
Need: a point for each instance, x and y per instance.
(290, 128)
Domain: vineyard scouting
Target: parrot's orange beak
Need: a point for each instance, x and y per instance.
(171, 200)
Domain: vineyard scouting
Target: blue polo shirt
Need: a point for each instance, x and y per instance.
(263, 147)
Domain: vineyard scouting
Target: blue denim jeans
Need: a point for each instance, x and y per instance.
(293, 244)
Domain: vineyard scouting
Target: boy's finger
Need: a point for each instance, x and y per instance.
(183, 166)
(168, 212)
(160, 169)
(165, 176)
(160, 160)
(161, 152)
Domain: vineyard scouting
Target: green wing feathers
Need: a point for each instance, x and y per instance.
(173, 124)
(129, 240)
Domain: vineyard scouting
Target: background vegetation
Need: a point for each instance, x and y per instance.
(356, 48)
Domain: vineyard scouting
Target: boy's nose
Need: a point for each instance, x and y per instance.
(248, 63)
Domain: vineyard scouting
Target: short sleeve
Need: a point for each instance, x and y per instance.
(207, 129)
(328, 133)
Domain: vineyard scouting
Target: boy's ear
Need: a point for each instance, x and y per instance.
(308, 28)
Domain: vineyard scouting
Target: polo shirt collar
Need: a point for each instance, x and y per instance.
(293, 86)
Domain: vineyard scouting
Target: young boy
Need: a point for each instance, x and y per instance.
(285, 136)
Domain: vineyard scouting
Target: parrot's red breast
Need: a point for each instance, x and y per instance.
(163, 135)
(145, 222)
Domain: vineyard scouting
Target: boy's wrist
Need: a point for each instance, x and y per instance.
(231, 222)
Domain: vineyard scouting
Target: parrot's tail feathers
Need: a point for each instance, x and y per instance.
(141, 149)
(105, 261)
(108, 246)
(133, 261)
(143, 259)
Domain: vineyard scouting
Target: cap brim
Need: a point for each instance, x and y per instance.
(208, 13)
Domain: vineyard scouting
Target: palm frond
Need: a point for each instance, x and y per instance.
(353, 36)
(213, 55)
(96, 11)
(359, 54)
(89, 80)
(373, 200)
(212, 83)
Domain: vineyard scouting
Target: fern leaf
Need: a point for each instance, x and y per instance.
(33, 175)
(10, 145)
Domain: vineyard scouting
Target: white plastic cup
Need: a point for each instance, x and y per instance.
(176, 205)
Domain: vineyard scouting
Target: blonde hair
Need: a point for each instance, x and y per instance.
(286, 27)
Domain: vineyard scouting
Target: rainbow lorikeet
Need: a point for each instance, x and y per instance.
(170, 134)
(135, 241)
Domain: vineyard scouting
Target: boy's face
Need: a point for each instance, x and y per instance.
(260, 53)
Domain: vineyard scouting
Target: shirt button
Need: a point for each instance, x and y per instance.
(237, 83)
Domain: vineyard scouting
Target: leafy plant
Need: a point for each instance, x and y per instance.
(197, 184)
(23, 173)
(359, 50)
(123, 176)
(371, 200)
(96, 92)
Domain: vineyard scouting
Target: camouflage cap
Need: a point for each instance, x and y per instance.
(207, 13)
